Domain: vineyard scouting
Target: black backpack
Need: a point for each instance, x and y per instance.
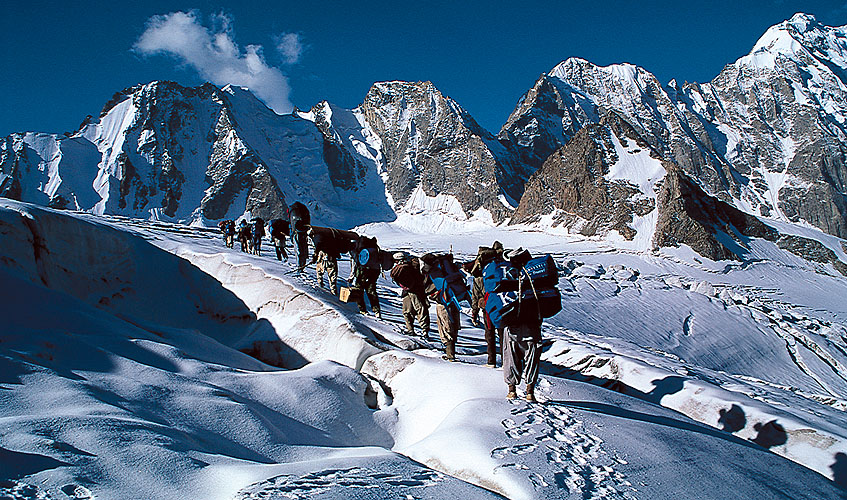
(367, 253)
(300, 217)
(279, 227)
(258, 227)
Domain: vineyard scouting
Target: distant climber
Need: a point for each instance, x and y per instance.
(244, 235)
(257, 232)
(300, 222)
(227, 227)
(279, 228)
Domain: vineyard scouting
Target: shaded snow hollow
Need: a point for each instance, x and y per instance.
(123, 374)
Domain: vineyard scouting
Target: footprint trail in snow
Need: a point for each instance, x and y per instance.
(558, 456)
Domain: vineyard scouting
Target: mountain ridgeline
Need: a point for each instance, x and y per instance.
(590, 149)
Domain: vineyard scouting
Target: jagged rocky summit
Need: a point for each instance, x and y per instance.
(430, 153)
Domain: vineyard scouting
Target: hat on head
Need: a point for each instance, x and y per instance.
(399, 256)
(511, 254)
(497, 246)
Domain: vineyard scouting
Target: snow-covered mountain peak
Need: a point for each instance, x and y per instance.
(803, 21)
(245, 95)
(575, 68)
(801, 39)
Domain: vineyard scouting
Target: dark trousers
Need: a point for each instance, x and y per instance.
(491, 336)
(521, 353)
(301, 243)
(279, 244)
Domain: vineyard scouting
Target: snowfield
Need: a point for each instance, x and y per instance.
(146, 360)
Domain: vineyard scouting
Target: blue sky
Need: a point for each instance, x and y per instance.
(63, 60)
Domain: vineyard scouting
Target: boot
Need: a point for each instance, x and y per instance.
(450, 352)
(512, 392)
(530, 393)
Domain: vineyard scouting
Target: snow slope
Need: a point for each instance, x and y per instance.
(123, 374)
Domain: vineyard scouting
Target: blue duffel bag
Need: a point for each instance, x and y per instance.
(504, 308)
(500, 276)
(542, 271)
(499, 308)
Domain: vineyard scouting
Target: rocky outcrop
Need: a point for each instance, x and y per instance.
(429, 143)
(235, 169)
(346, 168)
(574, 184)
(717, 230)
(541, 123)
(12, 160)
(711, 227)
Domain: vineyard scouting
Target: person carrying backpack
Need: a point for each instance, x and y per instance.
(366, 272)
(522, 335)
(300, 222)
(325, 258)
(227, 228)
(447, 318)
(327, 263)
(244, 235)
(257, 232)
(485, 256)
(448, 288)
(407, 274)
(279, 228)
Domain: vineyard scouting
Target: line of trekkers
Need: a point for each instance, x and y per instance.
(514, 291)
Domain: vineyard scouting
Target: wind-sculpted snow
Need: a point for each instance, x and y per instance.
(149, 394)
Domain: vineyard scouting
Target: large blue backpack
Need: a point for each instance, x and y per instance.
(502, 276)
(504, 308)
(447, 277)
(515, 294)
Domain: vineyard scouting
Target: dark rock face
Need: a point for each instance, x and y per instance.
(572, 184)
(235, 169)
(712, 228)
(538, 126)
(431, 143)
(717, 230)
(12, 161)
(346, 170)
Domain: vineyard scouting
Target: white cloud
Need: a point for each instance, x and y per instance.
(215, 55)
(290, 47)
